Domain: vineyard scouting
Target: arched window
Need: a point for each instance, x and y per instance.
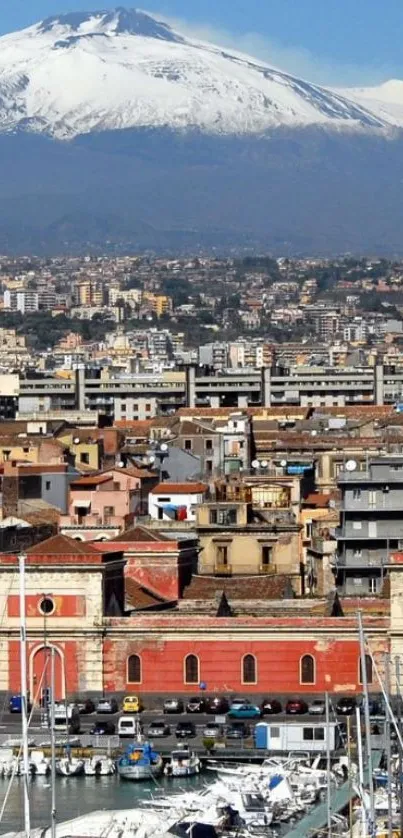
(192, 675)
(134, 669)
(249, 669)
(368, 669)
(307, 670)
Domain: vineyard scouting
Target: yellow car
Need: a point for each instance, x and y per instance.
(132, 704)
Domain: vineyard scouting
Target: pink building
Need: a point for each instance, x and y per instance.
(103, 505)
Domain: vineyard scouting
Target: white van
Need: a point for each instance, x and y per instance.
(129, 726)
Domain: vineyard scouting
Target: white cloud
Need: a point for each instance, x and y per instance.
(298, 61)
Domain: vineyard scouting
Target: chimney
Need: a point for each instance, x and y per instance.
(10, 489)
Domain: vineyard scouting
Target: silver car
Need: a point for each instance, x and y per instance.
(317, 707)
(213, 730)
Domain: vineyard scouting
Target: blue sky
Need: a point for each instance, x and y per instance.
(333, 41)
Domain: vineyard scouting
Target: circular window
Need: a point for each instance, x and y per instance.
(46, 605)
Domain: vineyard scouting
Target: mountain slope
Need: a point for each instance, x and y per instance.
(81, 73)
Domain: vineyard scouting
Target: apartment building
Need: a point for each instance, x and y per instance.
(371, 524)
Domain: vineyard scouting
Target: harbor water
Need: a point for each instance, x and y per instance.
(80, 795)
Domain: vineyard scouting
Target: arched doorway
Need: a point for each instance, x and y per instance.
(37, 661)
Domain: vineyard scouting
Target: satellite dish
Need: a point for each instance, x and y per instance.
(76, 440)
(121, 464)
(255, 464)
(264, 464)
(351, 465)
(314, 433)
(283, 463)
(151, 459)
(163, 447)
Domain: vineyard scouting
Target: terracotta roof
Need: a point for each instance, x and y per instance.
(140, 534)
(59, 545)
(141, 427)
(179, 489)
(91, 480)
(362, 410)
(318, 499)
(265, 412)
(237, 588)
(140, 597)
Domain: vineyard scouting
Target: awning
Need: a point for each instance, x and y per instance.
(82, 504)
(169, 507)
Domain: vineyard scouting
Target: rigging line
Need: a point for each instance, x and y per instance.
(17, 760)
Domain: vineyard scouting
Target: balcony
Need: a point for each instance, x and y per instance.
(268, 569)
(324, 546)
(221, 569)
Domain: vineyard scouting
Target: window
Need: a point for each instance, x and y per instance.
(26, 450)
(372, 498)
(357, 525)
(134, 669)
(222, 554)
(372, 585)
(275, 733)
(148, 407)
(225, 516)
(209, 466)
(319, 734)
(356, 494)
(188, 444)
(209, 444)
(249, 669)
(6, 454)
(192, 669)
(368, 669)
(85, 458)
(109, 510)
(267, 553)
(48, 485)
(116, 486)
(307, 670)
(357, 554)
(307, 734)
(123, 407)
(46, 606)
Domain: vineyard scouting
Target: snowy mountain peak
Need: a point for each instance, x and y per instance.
(117, 21)
(113, 69)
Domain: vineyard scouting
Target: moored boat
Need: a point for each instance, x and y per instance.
(183, 763)
(99, 766)
(69, 767)
(140, 762)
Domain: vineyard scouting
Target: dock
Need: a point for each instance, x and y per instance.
(316, 820)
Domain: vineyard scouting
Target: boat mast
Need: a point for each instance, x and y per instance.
(24, 692)
(364, 679)
(52, 741)
(328, 794)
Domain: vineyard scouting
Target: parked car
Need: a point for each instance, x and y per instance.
(346, 706)
(197, 704)
(237, 730)
(86, 707)
(107, 705)
(245, 711)
(270, 705)
(173, 705)
(213, 730)
(129, 726)
(317, 707)
(103, 729)
(132, 704)
(158, 729)
(185, 730)
(296, 707)
(15, 704)
(238, 702)
(217, 704)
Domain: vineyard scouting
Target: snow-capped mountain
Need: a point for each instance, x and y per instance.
(82, 73)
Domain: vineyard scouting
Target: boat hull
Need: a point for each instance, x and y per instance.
(140, 772)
